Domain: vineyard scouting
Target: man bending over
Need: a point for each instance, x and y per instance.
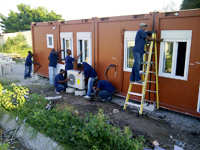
(104, 89)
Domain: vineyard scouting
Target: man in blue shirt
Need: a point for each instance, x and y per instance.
(69, 60)
(53, 57)
(60, 82)
(138, 51)
(90, 75)
(104, 89)
(28, 65)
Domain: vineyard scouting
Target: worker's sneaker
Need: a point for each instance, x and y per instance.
(139, 81)
(109, 98)
(87, 97)
(57, 92)
(132, 80)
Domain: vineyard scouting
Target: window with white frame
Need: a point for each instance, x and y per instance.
(129, 43)
(50, 41)
(175, 54)
(84, 44)
(66, 43)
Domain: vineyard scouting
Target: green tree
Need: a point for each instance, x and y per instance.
(21, 21)
(17, 44)
(190, 4)
(171, 6)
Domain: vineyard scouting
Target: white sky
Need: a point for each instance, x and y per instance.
(83, 9)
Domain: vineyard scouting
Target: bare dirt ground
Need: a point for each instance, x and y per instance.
(168, 128)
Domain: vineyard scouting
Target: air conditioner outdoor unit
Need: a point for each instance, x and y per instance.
(76, 80)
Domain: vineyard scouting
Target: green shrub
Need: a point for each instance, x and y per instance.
(12, 99)
(17, 44)
(4, 146)
(67, 128)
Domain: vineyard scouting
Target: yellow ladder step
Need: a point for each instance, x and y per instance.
(151, 91)
(133, 104)
(137, 83)
(148, 52)
(149, 72)
(133, 93)
(151, 81)
(146, 62)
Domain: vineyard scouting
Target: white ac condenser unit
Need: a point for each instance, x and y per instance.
(76, 80)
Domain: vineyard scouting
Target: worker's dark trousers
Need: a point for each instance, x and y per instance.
(135, 76)
(104, 94)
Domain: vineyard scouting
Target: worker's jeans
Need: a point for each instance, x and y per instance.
(135, 76)
(104, 94)
(27, 72)
(89, 85)
(52, 74)
(61, 87)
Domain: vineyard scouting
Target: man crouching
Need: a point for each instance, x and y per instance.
(104, 90)
(60, 82)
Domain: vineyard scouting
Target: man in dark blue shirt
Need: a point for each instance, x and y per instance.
(138, 51)
(28, 65)
(69, 60)
(90, 75)
(104, 89)
(53, 57)
(60, 82)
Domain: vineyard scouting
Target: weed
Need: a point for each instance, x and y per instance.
(4, 146)
(7, 82)
(63, 126)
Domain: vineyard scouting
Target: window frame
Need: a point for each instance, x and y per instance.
(175, 36)
(47, 37)
(198, 102)
(66, 36)
(84, 36)
(128, 36)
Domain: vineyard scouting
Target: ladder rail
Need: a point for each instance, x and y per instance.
(146, 77)
(156, 70)
(127, 97)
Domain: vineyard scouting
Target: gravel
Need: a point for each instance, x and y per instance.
(175, 119)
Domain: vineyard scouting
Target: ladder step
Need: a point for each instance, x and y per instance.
(133, 93)
(129, 103)
(137, 83)
(151, 91)
(149, 72)
(148, 52)
(151, 81)
(147, 62)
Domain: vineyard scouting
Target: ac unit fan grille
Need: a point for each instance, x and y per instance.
(72, 79)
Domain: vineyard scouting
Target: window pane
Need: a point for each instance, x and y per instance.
(63, 52)
(50, 40)
(168, 55)
(86, 51)
(130, 46)
(80, 48)
(67, 44)
(181, 53)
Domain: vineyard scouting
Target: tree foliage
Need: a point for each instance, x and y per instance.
(17, 44)
(170, 7)
(190, 4)
(21, 21)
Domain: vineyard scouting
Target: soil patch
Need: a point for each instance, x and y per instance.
(152, 128)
